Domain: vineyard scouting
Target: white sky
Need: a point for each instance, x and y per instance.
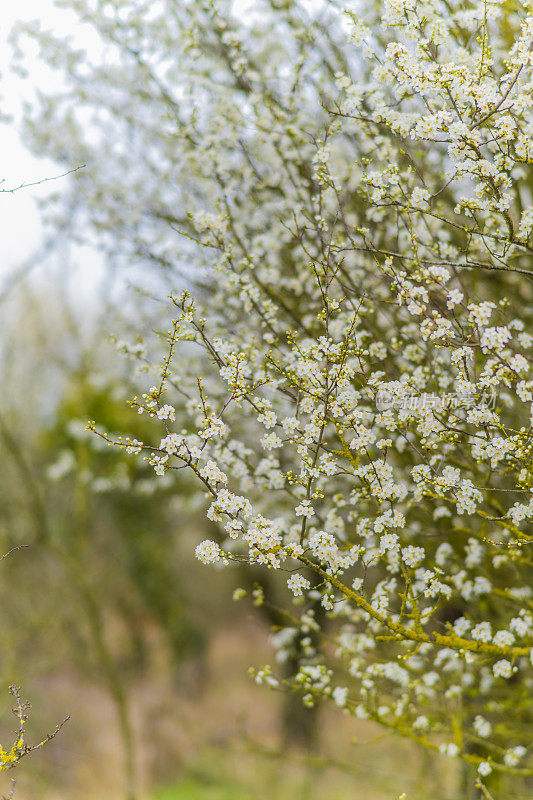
(20, 228)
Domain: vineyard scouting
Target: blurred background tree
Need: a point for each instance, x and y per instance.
(103, 568)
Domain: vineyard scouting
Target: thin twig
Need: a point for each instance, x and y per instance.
(38, 183)
(18, 547)
(486, 794)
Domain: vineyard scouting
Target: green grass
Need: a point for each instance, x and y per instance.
(373, 772)
(202, 787)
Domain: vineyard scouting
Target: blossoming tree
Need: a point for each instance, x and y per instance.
(348, 372)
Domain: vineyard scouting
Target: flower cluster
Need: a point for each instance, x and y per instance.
(389, 253)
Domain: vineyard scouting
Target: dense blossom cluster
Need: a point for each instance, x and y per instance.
(358, 239)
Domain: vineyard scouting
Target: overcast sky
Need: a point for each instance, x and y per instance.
(20, 229)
